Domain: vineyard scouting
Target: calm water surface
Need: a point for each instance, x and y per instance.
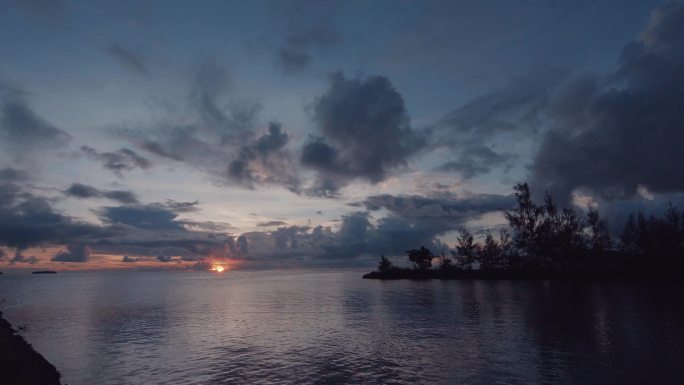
(333, 327)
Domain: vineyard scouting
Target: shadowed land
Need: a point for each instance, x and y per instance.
(548, 242)
(19, 363)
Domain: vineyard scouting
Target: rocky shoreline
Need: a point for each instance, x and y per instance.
(19, 363)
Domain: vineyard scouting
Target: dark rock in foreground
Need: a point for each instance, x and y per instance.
(44, 272)
(19, 363)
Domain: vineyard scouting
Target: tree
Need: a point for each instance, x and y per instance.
(629, 239)
(421, 258)
(490, 253)
(466, 248)
(385, 264)
(599, 237)
(524, 220)
(445, 262)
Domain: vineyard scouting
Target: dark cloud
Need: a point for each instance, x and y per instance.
(127, 58)
(128, 259)
(82, 191)
(163, 258)
(10, 174)
(519, 105)
(365, 132)
(474, 132)
(220, 116)
(265, 161)
(271, 224)
(74, 253)
(222, 137)
(27, 220)
(476, 160)
(612, 136)
(21, 129)
(181, 207)
(438, 214)
(149, 217)
(79, 190)
(292, 60)
(119, 161)
(411, 221)
(295, 54)
(121, 196)
(20, 258)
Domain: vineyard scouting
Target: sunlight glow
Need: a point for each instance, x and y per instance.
(217, 268)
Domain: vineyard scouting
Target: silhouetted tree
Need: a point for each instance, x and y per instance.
(385, 264)
(505, 245)
(466, 248)
(670, 235)
(445, 262)
(599, 237)
(524, 220)
(629, 239)
(490, 252)
(421, 258)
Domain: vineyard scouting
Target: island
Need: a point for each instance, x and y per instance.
(19, 363)
(544, 241)
(44, 272)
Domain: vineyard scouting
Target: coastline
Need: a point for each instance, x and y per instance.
(531, 275)
(20, 363)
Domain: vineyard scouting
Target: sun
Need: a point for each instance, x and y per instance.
(217, 268)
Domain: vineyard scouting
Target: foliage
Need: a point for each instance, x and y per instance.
(385, 264)
(421, 258)
(545, 237)
(466, 248)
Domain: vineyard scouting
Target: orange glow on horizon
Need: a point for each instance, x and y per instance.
(217, 268)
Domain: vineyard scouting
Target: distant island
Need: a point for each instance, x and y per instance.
(44, 272)
(548, 242)
(19, 363)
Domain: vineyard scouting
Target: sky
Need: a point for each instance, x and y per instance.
(285, 134)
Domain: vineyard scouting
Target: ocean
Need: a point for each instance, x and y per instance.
(332, 327)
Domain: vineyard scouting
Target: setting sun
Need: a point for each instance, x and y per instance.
(217, 268)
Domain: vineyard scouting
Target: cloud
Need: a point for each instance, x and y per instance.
(365, 133)
(119, 161)
(27, 220)
(221, 136)
(79, 190)
(437, 214)
(476, 160)
(411, 221)
(265, 161)
(626, 130)
(21, 129)
(74, 253)
(475, 133)
(128, 259)
(181, 207)
(271, 224)
(20, 258)
(163, 258)
(295, 54)
(128, 59)
(9, 174)
(149, 217)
